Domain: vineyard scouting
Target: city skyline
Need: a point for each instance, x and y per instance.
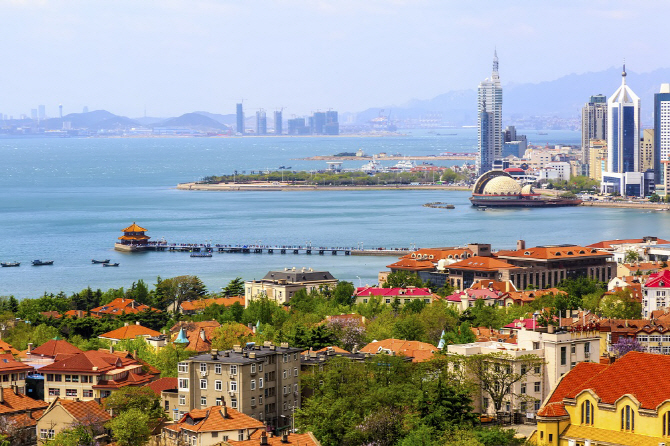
(350, 55)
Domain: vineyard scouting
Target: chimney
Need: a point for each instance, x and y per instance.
(125, 324)
(224, 410)
(134, 354)
(111, 349)
(30, 347)
(284, 438)
(215, 353)
(264, 438)
(2, 395)
(520, 244)
(550, 329)
(202, 334)
(137, 322)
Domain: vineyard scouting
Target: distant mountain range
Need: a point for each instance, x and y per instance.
(563, 98)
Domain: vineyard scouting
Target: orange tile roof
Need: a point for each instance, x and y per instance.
(335, 348)
(16, 402)
(505, 286)
(85, 361)
(122, 305)
(194, 305)
(162, 384)
(607, 244)
(129, 332)
(529, 296)
(306, 439)
(9, 364)
(412, 265)
(553, 410)
(134, 228)
(211, 419)
(190, 326)
(54, 347)
(420, 351)
(574, 380)
(22, 419)
(552, 252)
(438, 254)
(51, 314)
(7, 348)
(134, 237)
(85, 411)
(481, 263)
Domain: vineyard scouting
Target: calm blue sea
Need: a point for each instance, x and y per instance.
(67, 200)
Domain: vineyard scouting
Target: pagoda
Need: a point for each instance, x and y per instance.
(133, 239)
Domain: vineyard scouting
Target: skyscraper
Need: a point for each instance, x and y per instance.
(318, 123)
(661, 131)
(489, 136)
(240, 119)
(261, 122)
(278, 122)
(594, 123)
(332, 126)
(623, 129)
(41, 112)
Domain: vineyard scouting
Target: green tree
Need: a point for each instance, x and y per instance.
(177, 290)
(229, 334)
(131, 428)
(620, 305)
(343, 294)
(140, 398)
(654, 198)
(403, 279)
(631, 256)
(234, 288)
(442, 406)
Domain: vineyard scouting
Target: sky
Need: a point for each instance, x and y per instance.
(171, 57)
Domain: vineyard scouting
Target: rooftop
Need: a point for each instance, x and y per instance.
(298, 276)
(129, 332)
(552, 253)
(54, 347)
(215, 419)
(419, 351)
(480, 263)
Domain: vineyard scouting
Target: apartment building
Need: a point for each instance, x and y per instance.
(280, 286)
(261, 381)
(13, 373)
(656, 293)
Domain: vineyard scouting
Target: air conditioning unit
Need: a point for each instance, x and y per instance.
(231, 392)
(203, 373)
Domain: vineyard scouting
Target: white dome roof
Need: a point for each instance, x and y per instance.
(527, 189)
(502, 185)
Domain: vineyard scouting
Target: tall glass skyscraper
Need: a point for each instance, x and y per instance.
(623, 130)
(661, 131)
(594, 123)
(240, 119)
(489, 125)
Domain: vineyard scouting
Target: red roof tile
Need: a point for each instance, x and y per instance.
(659, 280)
(122, 305)
(306, 439)
(481, 264)
(393, 292)
(211, 419)
(16, 402)
(420, 351)
(129, 332)
(553, 410)
(552, 252)
(85, 411)
(201, 304)
(607, 244)
(162, 384)
(54, 347)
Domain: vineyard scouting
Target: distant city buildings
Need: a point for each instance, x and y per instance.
(240, 119)
(661, 131)
(489, 120)
(261, 123)
(594, 124)
(513, 144)
(278, 122)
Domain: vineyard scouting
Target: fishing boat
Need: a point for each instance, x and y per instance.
(42, 262)
(8, 264)
(110, 264)
(201, 254)
(100, 261)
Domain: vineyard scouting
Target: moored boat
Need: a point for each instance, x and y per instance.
(8, 264)
(100, 261)
(42, 262)
(201, 254)
(110, 264)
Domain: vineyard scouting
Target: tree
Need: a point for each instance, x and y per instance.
(631, 256)
(131, 428)
(625, 345)
(496, 373)
(229, 334)
(177, 290)
(620, 305)
(442, 406)
(343, 294)
(234, 288)
(402, 279)
(654, 198)
(348, 332)
(141, 398)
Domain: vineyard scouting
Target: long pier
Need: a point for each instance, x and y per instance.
(272, 249)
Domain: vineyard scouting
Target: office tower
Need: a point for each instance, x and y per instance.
(33, 114)
(318, 123)
(261, 123)
(594, 123)
(41, 112)
(489, 138)
(278, 122)
(597, 161)
(661, 131)
(513, 143)
(60, 110)
(296, 126)
(647, 150)
(332, 126)
(623, 129)
(240, 119)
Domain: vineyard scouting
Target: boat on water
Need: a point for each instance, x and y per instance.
(110, 264)
(201, 254)
(373, 166)
(100, 261)
(42, 262)
(404, 165)
(9, 264)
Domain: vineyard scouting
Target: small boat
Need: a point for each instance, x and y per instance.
(100, 261)
(110, 264)
(42, 262)
(201, 254)
(8, 264)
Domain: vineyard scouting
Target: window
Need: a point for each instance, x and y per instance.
(183, 367)
(260, 399)
(233, 369)
(284, 374)
(551, 437)
(284, 357)
(68, 378)
(537, 405)
(203, 384)
(537, 369)
(219, 401)
(295, 356)
(627, 419)
(260, 367)
(295, 387)
(253, 368)
(666, 424)
(485, 404)
(253, 384)
(260, 383)
(218, 385)
(253, 402)
(54, 392)
(50, 377)
(523, 388)
(58, 378)
(240, 435)
(655, 338)
(536, 345)
(537, 386)
(233, 386)
(587, 412)
(47, 434)
(183, 383)
(70, 392)
(524, 406)
(203, 366)
(233, 403)
(523, 369)
(564, 355)
(87, 394)
(642, 338)
(217, 369)
(284, 389)
(573, 348)
(182, 400)
(203, 401)
(86, 379)
(587, 348)
(295, 371)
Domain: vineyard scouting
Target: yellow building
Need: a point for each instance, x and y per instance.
(624, 403)
(647, 150)
(597, 156)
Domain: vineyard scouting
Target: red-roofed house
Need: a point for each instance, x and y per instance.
(7, 348)
(121, 306)
(388, 295)
(288, 438)
(64, 414)
(615, 404)
(18, 416)
(198, 306)
(656, 293)
(129, 331)
(428, 259)
(166, 390)
(13, 372)
(92, 374)
(462, 300)
(418, 351)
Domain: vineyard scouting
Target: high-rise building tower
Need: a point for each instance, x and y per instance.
(318, 123)
(594, 123)
(278, 122)
(661, 131)
(489, 136)
(623, 129)
(240, 119)
(261, 122)
(332, 126)
(60, 110)
(41, 112)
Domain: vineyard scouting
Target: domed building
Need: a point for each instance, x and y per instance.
(497, 188)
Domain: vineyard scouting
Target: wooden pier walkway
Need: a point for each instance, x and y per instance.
(267, 249)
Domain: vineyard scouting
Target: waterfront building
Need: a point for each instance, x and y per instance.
(647, 151)
(429, 263)
(296, 126)
(489, 125)
(280, 286)
(278, 122)
(65, 414)
(133, 239)
(597, 161)
(623, 174)
(513, 143)
(41, 112)
(594, 124)
(261, 381)
(240, 119)
(317, 123)
(332, 126)
(661, 132)
(261, 123)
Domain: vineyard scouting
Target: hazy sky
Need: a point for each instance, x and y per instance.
(176, 56)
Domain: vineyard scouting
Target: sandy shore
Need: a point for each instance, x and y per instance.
(389, 158)
(286, 187)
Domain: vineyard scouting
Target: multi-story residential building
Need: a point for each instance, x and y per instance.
(661, 132)
(13, 373)
(18, 416)
(278, 122)
(607, 404)
(489, 125)
(594, 125)
(389, 295)
(261, 122)
(66, 414)
(93, 374)
(647, 150)
(597, 151)
(280, 286)
(262, 381)
(656, 293)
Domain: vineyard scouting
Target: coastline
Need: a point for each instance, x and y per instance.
(286, 187)
(387, 158)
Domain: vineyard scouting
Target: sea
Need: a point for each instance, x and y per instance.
(68, 199)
